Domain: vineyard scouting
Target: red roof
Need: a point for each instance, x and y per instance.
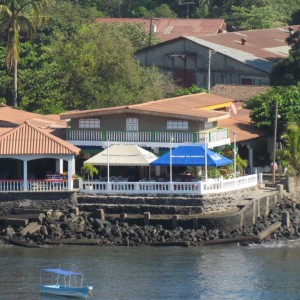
(269, 43)
(170, 28)
(12, 117)
(195, 107)
(28, 139)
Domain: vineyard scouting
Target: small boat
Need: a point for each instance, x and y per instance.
(63, 283)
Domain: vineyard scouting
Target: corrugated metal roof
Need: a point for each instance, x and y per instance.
(239, 55)
(188, 106)
(170, 28)
(28, 139)
(268, 44)
(262, 48)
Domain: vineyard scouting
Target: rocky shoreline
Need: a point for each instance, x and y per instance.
(83, 228)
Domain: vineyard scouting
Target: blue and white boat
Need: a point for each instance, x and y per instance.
(63, 283)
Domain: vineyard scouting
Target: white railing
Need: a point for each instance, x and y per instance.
(176, 188)
(146, 136)
(34, 185)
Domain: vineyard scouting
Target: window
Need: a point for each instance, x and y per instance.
(132, 124)
(177, 125)
(89, 123)
(208, 125)
(249, 80)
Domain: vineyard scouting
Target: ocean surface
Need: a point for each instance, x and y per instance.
(270, 271)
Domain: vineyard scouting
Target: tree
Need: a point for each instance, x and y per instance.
(253, 17)
(193, 89)
(263, 108)
(100, 70)
(290, 154)
(89, 170)
(14, 16)
(287, 70)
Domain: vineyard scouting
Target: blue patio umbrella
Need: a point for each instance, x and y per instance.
(191, 155)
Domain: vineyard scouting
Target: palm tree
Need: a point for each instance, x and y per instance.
(19, 16)
(290, 153)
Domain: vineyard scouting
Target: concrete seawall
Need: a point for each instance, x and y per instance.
(228, 212)
(36, 200)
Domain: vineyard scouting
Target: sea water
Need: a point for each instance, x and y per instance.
(267, 271)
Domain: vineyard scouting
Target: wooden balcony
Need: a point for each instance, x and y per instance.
(94, 137)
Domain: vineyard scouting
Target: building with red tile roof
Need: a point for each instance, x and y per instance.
(29, 143)
(169, 28)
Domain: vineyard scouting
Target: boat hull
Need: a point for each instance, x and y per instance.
(77, 292)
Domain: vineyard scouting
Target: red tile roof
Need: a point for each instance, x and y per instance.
(28, 139)
(170, 28)
(238, 92)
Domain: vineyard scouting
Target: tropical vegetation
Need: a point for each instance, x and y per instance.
(19, 19)
(289, 154)
(73, 63)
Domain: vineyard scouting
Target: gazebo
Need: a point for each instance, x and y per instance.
(28, 142)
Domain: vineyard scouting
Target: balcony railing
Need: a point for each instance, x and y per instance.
(93, 135)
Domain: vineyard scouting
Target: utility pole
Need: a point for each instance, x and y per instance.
(151, 29)
(188, 7)
(274, 145)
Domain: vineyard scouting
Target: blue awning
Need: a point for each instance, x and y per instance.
(61, 272)
(192, 155)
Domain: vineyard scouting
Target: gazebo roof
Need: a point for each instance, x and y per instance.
(28, 139)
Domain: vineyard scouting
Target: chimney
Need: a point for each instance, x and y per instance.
(243, 41)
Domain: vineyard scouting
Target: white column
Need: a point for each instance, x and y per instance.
(74, 166)
(205, 158)
(25, 176)
(70, 172)
(250, 157)
(59, 166)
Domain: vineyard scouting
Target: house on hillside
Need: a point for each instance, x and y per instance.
(185, 119)
(159, 125)
(169, 28)
(240, 58)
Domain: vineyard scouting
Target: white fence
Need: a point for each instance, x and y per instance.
(33, 185)
(175, 188)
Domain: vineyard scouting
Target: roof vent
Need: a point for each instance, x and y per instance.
(243, 41)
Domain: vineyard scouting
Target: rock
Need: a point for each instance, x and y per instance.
(10, 232)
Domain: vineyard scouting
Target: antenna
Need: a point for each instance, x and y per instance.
(188, 7)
